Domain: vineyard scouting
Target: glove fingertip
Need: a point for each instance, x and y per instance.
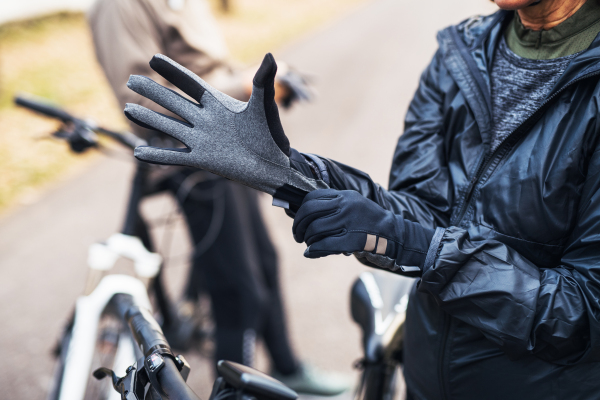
(179, 76)
(133, 81)
(140, 84)
(133, 112)
(266, 72)
(314, 254)
(161, 63)
(143, 153)
(129, 107)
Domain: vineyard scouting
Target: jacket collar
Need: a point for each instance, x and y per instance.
(468, 51)
(482, 39)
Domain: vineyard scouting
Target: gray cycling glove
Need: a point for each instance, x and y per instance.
(240, 141)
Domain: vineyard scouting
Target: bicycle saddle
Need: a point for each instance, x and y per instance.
(378, 303)
(249, 381)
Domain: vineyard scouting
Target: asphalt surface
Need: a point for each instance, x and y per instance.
(366, 67)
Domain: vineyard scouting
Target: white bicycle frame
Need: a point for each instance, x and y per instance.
(88, 310)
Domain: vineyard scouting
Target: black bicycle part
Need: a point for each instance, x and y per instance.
(172, 381)
(158, 367)
(113, 328)
(146, 331)
(77, 132)
(44, 109)
(298, 88)
(253, 383)
(378, 381)
(166, 374)
(130, 387)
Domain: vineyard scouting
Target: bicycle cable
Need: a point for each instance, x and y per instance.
(215, 225)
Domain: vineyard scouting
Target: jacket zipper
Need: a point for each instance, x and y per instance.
(507, 144)
(441, 373)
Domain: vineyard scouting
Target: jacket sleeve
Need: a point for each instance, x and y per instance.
(552, 313)
(419, 188)
(127, 34)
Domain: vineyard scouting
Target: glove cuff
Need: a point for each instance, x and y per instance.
(309, 165)
(407, 250)
(301, 164)
(412, 253)
(434, 247)
(319, 166)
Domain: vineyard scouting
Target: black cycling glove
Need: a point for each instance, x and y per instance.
(240, 141)
(343, 221)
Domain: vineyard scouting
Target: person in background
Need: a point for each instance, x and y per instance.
(234, 259)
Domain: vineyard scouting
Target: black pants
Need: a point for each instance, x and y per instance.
(235, 261)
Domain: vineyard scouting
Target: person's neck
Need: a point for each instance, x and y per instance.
(548, 13)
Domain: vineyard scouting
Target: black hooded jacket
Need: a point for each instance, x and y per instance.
(509, 307)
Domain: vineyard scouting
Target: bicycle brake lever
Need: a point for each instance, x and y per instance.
(102, 373)
(144, 371)
(126, 386)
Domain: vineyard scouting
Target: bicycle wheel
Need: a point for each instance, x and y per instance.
(114, 349)
(61, 355)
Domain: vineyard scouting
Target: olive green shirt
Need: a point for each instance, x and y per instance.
(573, 35)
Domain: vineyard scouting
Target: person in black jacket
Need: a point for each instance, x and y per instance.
(493, 199)
(500, 164)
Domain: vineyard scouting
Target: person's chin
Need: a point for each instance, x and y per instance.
(513, 4)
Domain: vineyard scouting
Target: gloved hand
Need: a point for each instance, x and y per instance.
(240, 141)
(343, 221)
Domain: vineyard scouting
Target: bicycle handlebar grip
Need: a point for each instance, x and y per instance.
(46, 109)
(172, 382)
(146, 331)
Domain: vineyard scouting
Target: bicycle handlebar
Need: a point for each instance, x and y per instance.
(146, 331)
(45, 109)
(172, 382)
(149, 336)
(127, 139)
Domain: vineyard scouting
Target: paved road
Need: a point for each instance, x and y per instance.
(366, 64)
